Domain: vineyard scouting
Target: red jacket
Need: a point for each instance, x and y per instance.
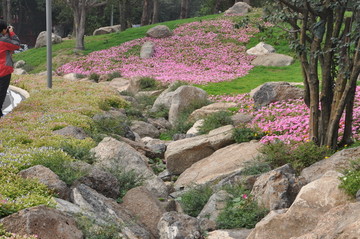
(7, 45)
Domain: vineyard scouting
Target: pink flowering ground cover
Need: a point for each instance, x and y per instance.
(198, 52)
(287, 121)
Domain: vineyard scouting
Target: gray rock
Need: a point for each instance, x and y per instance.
(220, 164)
(310, 206)
(261, 49)
(278, 188)
(147, 50)
(108, 210)
(181, 154)
(241, 118)
(49, 178)
(19, 71)
(145, 207)
(216, 204)
(101, 181)
(276, 91)
(72, 131)
(160, 31)
(239, 8)
(339, 161)
(144, 129)
(229, 234)
(115, 155)
(46, 223)
(173, 225)
(183, 97)
(107, 30)
(182, 136)
(41, 39)
(160, 123)
(207, 110)
(358, 196)
(19, 64)
(273, 59)
(194, 130)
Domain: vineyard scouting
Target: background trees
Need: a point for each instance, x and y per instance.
(326, 35)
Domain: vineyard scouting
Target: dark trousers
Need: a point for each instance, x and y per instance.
(4, 85)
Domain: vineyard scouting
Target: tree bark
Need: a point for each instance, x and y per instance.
(8, 11)
(155, 18)
(146, 14)
(123, 14)
(184, 9)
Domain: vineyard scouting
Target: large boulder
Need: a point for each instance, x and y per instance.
(229, 234)
(276, 91)
(147, 50)
(174, 225)
(338, 161)
(112, 154)
(278, 188)
(340, 222)
(261, 49)
(46, 223)
(101, 181)
(313, 201)
(194, 130)
(181, 154)
(144, 129)
(47, 177)
(183, 97)
(160, 31)
(145, 207)
(204, 111)
(216, 204)
(19, 64)
(107, 30)
(72, 131)
(239, 8)
(131, 85)
(107, 209)
(220, 164)
(41, 39)
(273, 59)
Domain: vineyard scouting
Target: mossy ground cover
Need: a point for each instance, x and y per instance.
(27, 136)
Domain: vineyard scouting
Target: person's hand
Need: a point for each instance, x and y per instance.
(10, 29)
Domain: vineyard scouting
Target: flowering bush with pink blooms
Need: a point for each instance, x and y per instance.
(287, 121)
(198, 52)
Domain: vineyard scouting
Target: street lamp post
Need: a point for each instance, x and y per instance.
(49, 43)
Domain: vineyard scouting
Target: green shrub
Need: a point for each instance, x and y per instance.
(94, 77)
(17, 193)
(59, 163)
(350, 182)
(157, 165)
(112, 102)
(145, 101)
(92, 230)
(78, 150)
(108, 126)
(255, 167)
(148, 83)
(134, 114)
(241, 210)
(127, 179)
(195, 199)
(113, 75)
(214, 121)
(241, 135)
(300, 156)
(161, 112)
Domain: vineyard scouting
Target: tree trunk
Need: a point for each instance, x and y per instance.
(184, 9)
(79, 20)
(146, 14)
(123, 14)
(8, 10)
(155, 18)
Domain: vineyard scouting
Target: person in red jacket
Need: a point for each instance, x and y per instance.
(8, 43)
